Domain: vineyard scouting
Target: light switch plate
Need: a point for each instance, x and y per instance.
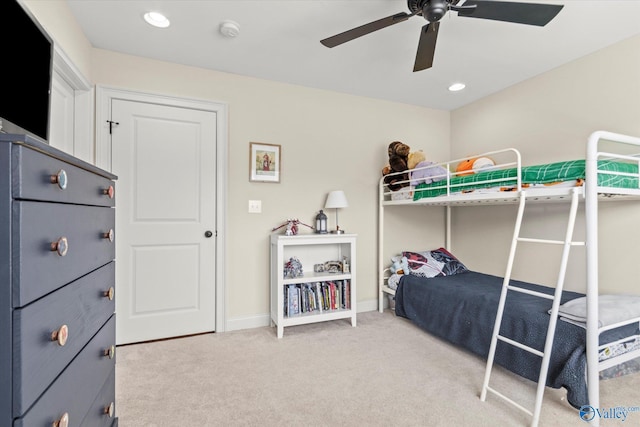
(255, 206)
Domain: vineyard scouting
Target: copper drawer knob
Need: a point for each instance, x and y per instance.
(62, 422)
(109, 235)
(109, 191)
(60, 178)
(109, 294)
(61, 246)
(61, 335)
(109, 410)
(109, 352)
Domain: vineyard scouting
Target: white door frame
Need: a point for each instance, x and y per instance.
(104, 97)
(63, 68)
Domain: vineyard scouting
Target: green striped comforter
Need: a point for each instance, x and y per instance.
(539, 174)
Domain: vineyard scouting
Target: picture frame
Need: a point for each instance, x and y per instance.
(265, 162)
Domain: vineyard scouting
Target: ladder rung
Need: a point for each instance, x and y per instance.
(530, 292)
(520, 345)
(517, 405)
(551, 242)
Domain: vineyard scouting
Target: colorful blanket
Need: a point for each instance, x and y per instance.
(506, 179)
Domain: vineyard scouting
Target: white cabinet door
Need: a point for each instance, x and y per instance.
(164, 157)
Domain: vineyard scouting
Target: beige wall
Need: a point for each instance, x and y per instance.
(549, 118)
(331, 141)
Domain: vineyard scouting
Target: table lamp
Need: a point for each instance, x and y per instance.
(336, 200)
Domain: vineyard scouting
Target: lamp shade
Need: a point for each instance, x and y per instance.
(336, 199)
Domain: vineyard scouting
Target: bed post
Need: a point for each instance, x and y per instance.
(380, 246)
(447, 230)
(591, 219)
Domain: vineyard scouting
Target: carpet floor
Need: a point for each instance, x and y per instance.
(384, 372)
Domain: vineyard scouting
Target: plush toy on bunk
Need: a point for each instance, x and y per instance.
(408, 168)
(474, 165)
(423, 170)
(395, 175)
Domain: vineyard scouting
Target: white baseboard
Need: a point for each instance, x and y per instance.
(265, 320)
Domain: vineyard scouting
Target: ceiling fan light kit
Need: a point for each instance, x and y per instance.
(434, 10)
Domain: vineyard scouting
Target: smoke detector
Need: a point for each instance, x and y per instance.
(229, 29)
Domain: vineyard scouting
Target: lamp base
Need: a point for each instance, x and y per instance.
(337, 231)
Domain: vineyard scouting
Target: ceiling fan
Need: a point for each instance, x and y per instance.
(434, 10)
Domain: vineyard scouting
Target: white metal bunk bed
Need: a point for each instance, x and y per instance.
(454, 193)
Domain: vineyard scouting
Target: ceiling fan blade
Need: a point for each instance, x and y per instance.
(426, 47)
(365, 29)
(519, 13)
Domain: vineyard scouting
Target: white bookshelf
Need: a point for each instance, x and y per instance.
(312, 249)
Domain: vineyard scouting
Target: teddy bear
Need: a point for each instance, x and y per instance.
(414, 158)
(474, 165)
(427, 172)
(398, 156)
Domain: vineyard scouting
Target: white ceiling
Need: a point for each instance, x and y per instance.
(280, 40)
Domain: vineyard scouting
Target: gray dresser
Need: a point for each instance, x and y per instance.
(57, 280)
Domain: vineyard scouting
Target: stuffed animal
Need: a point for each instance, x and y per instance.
(474, 165)
(426, 174)
(414, 158)
(400, 266)
(398, 157)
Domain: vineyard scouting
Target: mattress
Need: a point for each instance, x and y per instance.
(461, 309)
(611, 174)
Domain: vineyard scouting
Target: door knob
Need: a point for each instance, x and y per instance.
(208, 234)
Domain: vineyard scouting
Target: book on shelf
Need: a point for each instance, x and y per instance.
(316, 297)
(294, 300)
(285, 301)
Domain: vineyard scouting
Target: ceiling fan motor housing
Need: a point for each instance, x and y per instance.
(431, 10)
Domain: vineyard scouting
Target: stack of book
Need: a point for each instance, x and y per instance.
(316, 297)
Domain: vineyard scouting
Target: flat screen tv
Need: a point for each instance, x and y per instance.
(26, 53)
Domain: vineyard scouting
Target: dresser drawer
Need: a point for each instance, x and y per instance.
(40, 177)
(82, 246)
(74, 391)
(82, 306)
(102, 411)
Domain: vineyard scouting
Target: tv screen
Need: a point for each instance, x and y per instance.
(26, 52)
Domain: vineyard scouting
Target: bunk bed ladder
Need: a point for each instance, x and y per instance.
(556, 297)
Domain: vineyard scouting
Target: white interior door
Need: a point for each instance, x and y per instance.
(164, 157)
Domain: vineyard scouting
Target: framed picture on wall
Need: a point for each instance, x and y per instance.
(264, 162)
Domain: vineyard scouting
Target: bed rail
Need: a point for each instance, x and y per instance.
(402, 190)
(443, 172)
(596, 140)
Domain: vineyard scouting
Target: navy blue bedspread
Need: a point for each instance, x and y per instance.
(461, 309)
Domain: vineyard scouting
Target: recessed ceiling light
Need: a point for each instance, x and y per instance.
(456, 87)
(156, 19)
